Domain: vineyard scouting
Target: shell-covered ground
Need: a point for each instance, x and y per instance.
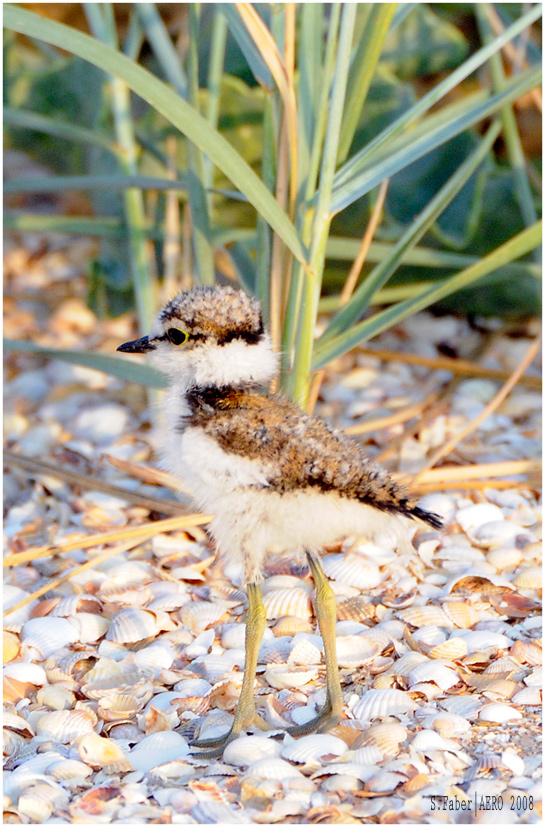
(111, 672)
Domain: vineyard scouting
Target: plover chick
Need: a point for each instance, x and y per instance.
(276, 479)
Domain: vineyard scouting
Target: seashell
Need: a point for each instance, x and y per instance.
(405, 665)
(513, 762)
(524, 652)
(133, 682)
(201, 615)
(69, 606)
(40, 799)
(529, 578)
(292, 601)
(429, 635)
(89, 627)
(466, 706)
(68, 769)
(48, 634)
(496, 533)
(360, 771)
(384, 782)
(289, 677)
(246, 750)
(356, 608)
(104, 669)
(385, 737)
(505, 665)
(128, 573)
(11, 646)
(152, 659)
(124, 594)
(104, 753)
(26, 672)
(131, 626)
(462, 614)
(425, 616)
(370, 754)
(355, 569)
(290, 625)
(341, 783)
(397, 598)
(68, 666)
(14, 621)
(428, 741)
(56, 697)
(356, 651)
(450, 725)
(440, 504)
(534, 678)
(17, 723)
(479, 641)
(418, 782)
(478, 579)
(504, 558)
(531, 696)
(499, 713)
(120, 707)
(381, 703)
(305, 652)
(474, 516)
(451, 649)
(313, 748)
(66, 725)
(233, 636)
(158, 748)
(504, 688)
(435, 672)
(273, 768)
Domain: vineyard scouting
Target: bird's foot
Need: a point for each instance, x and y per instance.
(326, 718)
(213, 747)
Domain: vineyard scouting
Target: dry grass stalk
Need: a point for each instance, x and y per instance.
(359, 261)
(481, 471)
(90, 564)
(474, 485)
(457, 366)
(36, 467)
(153, 476)
(492, 406)
(88, 541)
(395, 419)
(314, 391)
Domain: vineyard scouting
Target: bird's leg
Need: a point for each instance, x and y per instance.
(326, 613)
(245, 713)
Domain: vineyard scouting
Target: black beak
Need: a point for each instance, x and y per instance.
(137, 346)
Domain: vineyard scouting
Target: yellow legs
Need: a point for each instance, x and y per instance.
(245, 712)
(326, 613)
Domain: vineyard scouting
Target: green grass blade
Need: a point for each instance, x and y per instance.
(58, 128)
(163, 48)
(62, 183)
(126, 369)
(255, 61)
(411, 149)
(378, 277)
(170, 105)
(522, 244)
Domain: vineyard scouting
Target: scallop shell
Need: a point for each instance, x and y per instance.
(131, 625)
(354, 569)
(451, 649)
(384, 782)
(356, 651)
(305, 652)
(14, 621)
(474, 516)
(531, 696)
(56, 697)
(405, 665)
(529, 578)
(356, 608)
(25, 672)
(478, 641)
(69, 606)
(246, 750)
(158, 748)
(313, 748)
(11, 646)
(48, 634)
(68, 769)
(273, 768)
(89, 627)
(499, 713)
(120, 707)
(425, 616)
(290, 625)
(289, 677)
(504, 558)
(450, 725)
(434, 672)
(104, 753)
(513, 762)
(201, 615)
(467, 706)
(385, 737)
(462, 614)
(66, 725)
(427, 741)
(381, 703)
(429, 635)
(292, 601)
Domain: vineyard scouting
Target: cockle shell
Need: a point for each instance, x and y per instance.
(356, 651)
(452, 649)
(428, 741)
(120, 707)
(429, 635)
(66, 725)
(69, 606)
(513, 762)
(89, 627)
(425, 616)
(290, 625)
(313, 748)
(124, 594)
(246, 750)
(383, 782)
(381, 703)
(201, 615)
(461, 614)
(467, 706)
(478, 641)
(40, 800)
(131, 625)
(405, 665)
(48, 634)
(524, 652)
(474, 516)
(26, 672)
(273, 768)
(435, 672)
(157, 749)
(385, 737)
(531, 696)
(529, 578)
(354, 569)
(289, 677)
(449, 725)
(306, 650)
(67, 769)
(292, 601)
(14, 621)
(356, 608)
(504, 558)
(104, 753)
(499, 713)
(11, 646)
(56, 696)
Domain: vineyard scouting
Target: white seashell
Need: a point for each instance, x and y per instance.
(201, 615)
(384, 782)
(513, 762)
(529, 578)
(477, 641)
(451, 649)
(26, 672)
(430, 635)
(381, 703)
(355, 569)
(463, 615)
(370, 754)
(341, 783)
(69, 606)
(499, 713)
(201, 645)
(504, 558)
(56, 697)
(534, 678)
(405, 665)
(303, 714)
(273, 768)
(450, 725)
(425, 616)
(246, 750)
(66, 725)
(357, 770)
(385, 737)
(531, 696)
(467, 706)
(356, 651)
(190, 688)
(154, 658)
(131, 625)
(89, 627)
(48, 634)
(313, 748)
(427, 741)
(157, 749)
(40, 799)
(289, 677)
(435, 672)
(505, 664)
(67, 769)
(474, 516)
(292, 601)
(306, 650)
(103, 752)
(233, 636)
(440, 504)
(497, 533)
(102, 424)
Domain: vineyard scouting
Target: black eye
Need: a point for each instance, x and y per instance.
(177, 337)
